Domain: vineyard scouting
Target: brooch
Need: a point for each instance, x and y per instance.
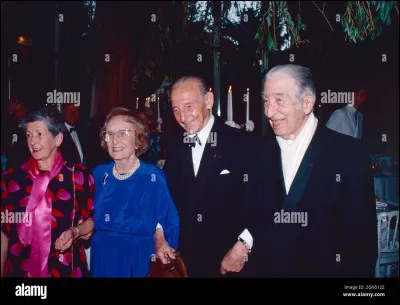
(103, 180)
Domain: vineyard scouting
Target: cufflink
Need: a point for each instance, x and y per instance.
(245, 244)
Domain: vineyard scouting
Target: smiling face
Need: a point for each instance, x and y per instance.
(287, 115)
(191, 108)
(42, 144)
(121, 138)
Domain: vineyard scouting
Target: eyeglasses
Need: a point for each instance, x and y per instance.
(119, 134)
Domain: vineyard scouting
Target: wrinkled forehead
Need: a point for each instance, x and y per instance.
(280, 86)
(186, 92)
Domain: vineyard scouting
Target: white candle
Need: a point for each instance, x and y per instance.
(247, 109)
(158, 108)
(229, 106)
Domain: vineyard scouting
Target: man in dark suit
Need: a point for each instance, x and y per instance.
(207, 176)
(72, 146)
(322, 221)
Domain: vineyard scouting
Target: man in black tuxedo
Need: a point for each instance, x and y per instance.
(322, 221)
(207, 176)
(72, 146)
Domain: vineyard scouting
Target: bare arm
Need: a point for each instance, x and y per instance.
(4, 251)
(85, 229)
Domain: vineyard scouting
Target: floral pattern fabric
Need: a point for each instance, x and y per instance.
(16, 187)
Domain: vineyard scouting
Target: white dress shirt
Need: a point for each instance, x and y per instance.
(293, 151)
(197, 150)
(75, 138)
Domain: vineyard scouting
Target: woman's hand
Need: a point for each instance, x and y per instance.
(163, 251)
(65, 240)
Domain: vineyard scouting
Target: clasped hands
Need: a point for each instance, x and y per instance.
(66, 238)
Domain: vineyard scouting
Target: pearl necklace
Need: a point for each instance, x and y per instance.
(128, 174)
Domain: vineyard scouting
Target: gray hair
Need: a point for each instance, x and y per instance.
(200, 82)
(302, 76)
(50, 116)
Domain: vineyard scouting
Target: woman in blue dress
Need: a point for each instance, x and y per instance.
(134, 214)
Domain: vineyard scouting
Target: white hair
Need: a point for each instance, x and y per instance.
(302, 76)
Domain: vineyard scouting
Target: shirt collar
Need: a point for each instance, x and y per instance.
(307, 128)
(68, 126)
(350, 107)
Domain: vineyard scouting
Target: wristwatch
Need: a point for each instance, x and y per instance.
(245, 244)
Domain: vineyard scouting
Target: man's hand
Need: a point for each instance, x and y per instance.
(163, 251)
(235, 258)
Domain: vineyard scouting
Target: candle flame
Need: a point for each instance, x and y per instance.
(248, 89)
(230, 89)
(210, 89)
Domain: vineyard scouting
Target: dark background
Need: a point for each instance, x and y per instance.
(124, 30)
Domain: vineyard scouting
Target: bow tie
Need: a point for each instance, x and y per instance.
(192, 141)
(71, 130)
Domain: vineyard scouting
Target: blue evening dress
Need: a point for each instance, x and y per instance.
(126, 213)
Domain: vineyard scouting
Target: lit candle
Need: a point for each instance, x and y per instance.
(137, 103)
(230, 107)
(247, 109)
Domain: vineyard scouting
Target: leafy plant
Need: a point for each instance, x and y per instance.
(361, 20)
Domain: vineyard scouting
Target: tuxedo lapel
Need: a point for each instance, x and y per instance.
(310, 160)
(207, 163)
(279, 171)
(187, 162)
(206, 172)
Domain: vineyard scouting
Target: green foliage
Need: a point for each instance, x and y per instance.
(361, 20)
(281, 29)
(366, 19)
